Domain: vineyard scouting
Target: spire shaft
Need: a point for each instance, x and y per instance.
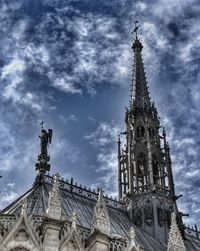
(145, 176)
(140, 99)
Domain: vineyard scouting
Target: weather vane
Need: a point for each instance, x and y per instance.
(136, 28)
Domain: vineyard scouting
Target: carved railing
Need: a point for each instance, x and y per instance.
(192, 231)
(149, 188)
(162, 190)
(85, 192)
(142, 189)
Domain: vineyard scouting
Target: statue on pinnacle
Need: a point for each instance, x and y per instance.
(45, 139)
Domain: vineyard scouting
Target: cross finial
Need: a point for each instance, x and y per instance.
(42, 125)
(136, 28)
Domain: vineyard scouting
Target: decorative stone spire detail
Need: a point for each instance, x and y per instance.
(133, 244)
(24, 207)
(133, 237)
(175, 242)
(100, 220)
(74, 220)
(54, 204)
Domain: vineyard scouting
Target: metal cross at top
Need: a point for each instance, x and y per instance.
(42, 125)
(136, 28)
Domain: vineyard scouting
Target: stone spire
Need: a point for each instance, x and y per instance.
(145, 173)
(139, 91)
(175, 242)
(100, 220)
(54, 204)
(144, 163)
(45, 139)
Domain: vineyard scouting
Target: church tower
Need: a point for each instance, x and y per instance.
(145, 175)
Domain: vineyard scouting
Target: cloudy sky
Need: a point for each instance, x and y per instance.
(69, 63)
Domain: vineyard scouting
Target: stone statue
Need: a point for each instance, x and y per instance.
(137, 217)
(45, 140)
(161, 216)
(148, 212)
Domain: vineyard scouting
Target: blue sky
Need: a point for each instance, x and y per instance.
(69, 63)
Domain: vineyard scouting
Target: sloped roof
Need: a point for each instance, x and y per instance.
(81, 200)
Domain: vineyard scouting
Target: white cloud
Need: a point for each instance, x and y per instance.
(14, 67)
(8, 197)
(67, 87)
(103, 135)
(104, 138)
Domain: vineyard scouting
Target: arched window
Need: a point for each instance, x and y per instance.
(155, 166)
(115, 246)
(140, 132)
(141, 169)
(152, 133)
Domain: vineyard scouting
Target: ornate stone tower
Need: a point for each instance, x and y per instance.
(145, 174)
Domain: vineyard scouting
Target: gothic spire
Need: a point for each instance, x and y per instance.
(175, 242)
(100, 220)
(45, 139)
(54, 204)
(139, 91)
(145, 174)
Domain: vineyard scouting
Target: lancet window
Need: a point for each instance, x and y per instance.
(141, 170)
(152, 133)
(156, 169)
(140, 132)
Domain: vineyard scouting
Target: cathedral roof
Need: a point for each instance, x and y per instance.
(82, 201)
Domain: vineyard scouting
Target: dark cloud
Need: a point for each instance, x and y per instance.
(68, 62)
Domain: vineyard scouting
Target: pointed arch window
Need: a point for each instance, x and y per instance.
(152, 134)
(115, 246)
(141, 170)
(156, 171)
(140, 131)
